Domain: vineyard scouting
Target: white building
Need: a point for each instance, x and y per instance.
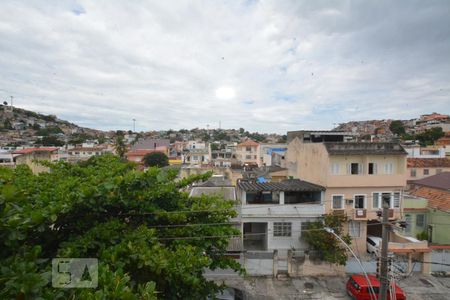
(267, 151)
(273, 214)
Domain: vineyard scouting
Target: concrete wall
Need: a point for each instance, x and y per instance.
(420, 172)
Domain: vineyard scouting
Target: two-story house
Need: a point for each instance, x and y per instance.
(273, 214)
(356, 177)
(247, 153)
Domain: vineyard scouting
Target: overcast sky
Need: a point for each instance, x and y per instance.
(267, 66)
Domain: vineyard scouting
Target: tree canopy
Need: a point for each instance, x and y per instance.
(327, 246)
(397, 127)
(156, 159)
(152, 240)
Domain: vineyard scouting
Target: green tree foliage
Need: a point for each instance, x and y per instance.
(328, 247)
(397, 127)
(152, 240)
(49, 131)
(119, 145)
(156, 159)
(429, 136)
(50, 141)
(215, 146)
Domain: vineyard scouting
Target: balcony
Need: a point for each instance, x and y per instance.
(287, 210)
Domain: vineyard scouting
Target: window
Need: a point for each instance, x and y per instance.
(426, 171)
(282, 229)
(375, 200)
(388, 168)
(359, 201)
(335, 169)
(438, 171)
(354, 229)
(408, 223)
(396, 199)
(248, 157)
(372, 168)
(420, 220)
(254, 157)
(413, 172)
(338, 201)
(355, 169)
(248, 149)
(194, 158)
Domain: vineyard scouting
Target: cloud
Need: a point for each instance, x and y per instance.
(291, 64)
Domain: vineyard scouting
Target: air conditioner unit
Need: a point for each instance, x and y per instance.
(349, 201)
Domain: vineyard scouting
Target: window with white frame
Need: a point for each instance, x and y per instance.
(408, 221)
(396, 203)
(354, 228)
(372, 168)
(335, 169)
(389, 168)
(354, 168)
(338, 201)
(376, 200)
(360, 201)
(282, 229)
(413, 173)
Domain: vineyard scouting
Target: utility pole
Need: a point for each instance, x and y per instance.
(384, 279)
(12, 97)
(134, 125)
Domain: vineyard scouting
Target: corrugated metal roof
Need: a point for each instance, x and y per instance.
(438, 181)
(289, 185)
(349, 148)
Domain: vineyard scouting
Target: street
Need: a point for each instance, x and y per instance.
(417, 287)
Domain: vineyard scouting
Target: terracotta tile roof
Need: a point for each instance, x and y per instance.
(30, 150)
(248, 143)
(437, 199)
(428, 162)
(438, 181)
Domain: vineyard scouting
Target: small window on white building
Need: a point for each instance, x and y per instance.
(335, 169)
(354, 228)
(338, 201)
(438, 171)
(372, 168)
(248, 149)
(360, 201)
(413, 172)
(282, 229)
(426, 171)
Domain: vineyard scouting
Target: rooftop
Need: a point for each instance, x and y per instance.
(248, 143)
(428, 163)
(437, 199)
(227, 192)
(361, 148)
(288, 185)
(438, 181)
(35, 149)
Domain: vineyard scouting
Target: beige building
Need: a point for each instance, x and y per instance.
(248, 153)
(356, 177)
(32, 156)
(419, 168)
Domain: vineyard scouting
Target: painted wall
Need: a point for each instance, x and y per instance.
(420, 172)
(440, 221)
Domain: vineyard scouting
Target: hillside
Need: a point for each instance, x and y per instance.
(23, 127)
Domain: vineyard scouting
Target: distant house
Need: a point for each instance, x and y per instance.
(436, 190)
(83, 153)
(152, 144)
(138, 154)
(31, 156)
(248, 153)
(268, 151)
(419, 168)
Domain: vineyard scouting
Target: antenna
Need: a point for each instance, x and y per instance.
(220, 124)
(134, 125)
(12, 97)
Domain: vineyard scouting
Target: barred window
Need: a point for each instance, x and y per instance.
(396, 199)
(420, 220)
(282, 229)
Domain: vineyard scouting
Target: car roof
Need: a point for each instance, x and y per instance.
(374, 237)
(362, 281)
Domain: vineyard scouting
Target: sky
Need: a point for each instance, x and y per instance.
(267, 66)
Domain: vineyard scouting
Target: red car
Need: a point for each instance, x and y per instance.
(358, 288)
